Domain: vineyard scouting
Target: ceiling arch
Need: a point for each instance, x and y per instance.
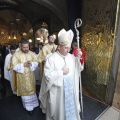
(61, 13)
(53, 12)
(33, 9)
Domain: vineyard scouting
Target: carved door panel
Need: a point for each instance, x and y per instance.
(98, 39)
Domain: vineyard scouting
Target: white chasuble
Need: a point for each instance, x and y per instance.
(8, 73)
(52, 94)
(38, 72)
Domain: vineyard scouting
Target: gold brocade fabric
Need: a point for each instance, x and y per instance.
(47, 49)
(24, 83)
(8, 66)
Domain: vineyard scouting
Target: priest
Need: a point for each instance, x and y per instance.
(7, 67)
(24, 62)
(47, 49)
(59, 93)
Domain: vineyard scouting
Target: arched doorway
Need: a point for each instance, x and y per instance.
(14, 26)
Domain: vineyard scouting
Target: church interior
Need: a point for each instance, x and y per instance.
(99, 36)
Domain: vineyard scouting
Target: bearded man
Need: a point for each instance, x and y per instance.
(47, 49)
(24, 62)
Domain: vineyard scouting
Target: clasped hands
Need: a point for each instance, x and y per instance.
(65, 70)
(27, 64)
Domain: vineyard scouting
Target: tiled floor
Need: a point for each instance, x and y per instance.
(111, 114)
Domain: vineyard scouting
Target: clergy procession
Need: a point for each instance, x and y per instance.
(59, 59)
(52, 67)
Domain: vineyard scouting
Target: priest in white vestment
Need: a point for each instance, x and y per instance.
(59, 93)
(7, 67)
(19, 46)
(38, 70)
(24, 62)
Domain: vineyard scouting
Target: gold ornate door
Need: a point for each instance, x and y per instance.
(98, 39)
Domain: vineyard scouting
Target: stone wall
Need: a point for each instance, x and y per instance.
(116, 99)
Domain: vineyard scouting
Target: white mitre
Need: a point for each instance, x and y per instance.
(65, 37)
